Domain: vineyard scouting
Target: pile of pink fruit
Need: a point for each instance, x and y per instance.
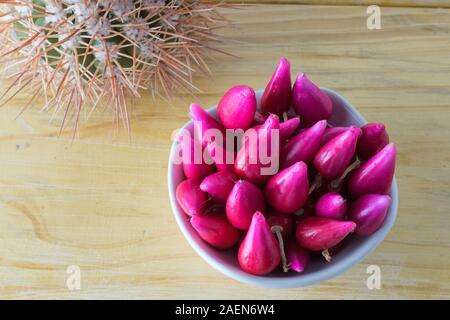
(330, 182)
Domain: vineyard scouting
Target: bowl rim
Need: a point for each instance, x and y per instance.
(333, 270)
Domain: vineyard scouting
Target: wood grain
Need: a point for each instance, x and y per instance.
(102, 203)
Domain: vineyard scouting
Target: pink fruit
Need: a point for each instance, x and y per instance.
(277, 95)
(333, 158)
(373, 138)
(369, 212)
(297, 257)
(316, 233)
(331, 133)
(215, 229)
(223, 157)
(288, 127)
(374, 176)
(219, 184)
(259, 252)
(303, 146)
(194, 166)
(203, 122)
(237, 107)
(287, 191)
(253, 163)
(331, 205)
(190, 197)
(310, 102)
(285, 221)
(244, 199)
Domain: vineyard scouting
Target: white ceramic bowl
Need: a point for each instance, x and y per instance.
(344, 114)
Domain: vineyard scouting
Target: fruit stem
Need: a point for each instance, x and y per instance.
(335, 184)
(316, 183)
(278, 230)
(326, 254)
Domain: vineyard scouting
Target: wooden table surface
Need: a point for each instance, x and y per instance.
(102, 203)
